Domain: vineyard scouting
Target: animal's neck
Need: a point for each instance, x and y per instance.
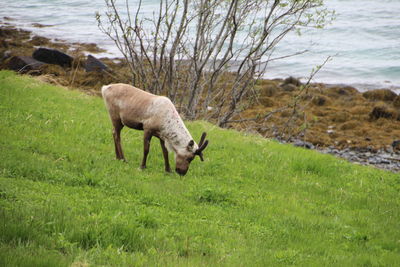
(176, 134)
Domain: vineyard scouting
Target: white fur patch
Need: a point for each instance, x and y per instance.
(174, 131)
(169, 147)
(121, 103)
(104, 88)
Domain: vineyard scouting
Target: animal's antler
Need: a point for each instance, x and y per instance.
(203, 136)
(202, 145)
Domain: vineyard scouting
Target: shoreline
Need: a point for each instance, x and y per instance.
(359, 85)
(337, 135)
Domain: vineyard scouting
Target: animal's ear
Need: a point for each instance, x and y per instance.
(190, 145)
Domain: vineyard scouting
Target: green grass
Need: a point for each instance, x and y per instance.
(65, 200)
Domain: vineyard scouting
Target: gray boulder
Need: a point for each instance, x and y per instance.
(52, 56)
(94, 64)
(23, 64)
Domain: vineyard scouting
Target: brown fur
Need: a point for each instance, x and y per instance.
(140, 110)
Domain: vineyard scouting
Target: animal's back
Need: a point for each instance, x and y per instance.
(124, 91)
(131, 105)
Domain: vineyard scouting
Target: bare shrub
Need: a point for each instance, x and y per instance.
(204, 53)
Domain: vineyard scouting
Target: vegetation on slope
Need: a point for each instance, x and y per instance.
(65, 200)
(338, 116)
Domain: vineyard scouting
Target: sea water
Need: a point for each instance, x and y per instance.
(363, 41)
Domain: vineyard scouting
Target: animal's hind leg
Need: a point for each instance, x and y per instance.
(117, 139)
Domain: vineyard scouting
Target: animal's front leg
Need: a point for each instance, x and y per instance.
(146, 147)
(165, 154)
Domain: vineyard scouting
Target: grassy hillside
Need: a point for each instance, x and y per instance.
(65, 200)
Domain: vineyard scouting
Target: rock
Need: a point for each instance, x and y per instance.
(319, 100)
(288, 87)
(52, 56)
(374, 160)
(350, 125)
(384, 161)
(3, 43)
(396, 101)
(389, 149)
(5, 55)
(396, 145)
(353, 158)
(290, 84)
(293, 81)
(380, 95)
(382, 111)
(304, 144)
(38, 25)
(94, 64)
(266, 101)
(38, 40)
(366, 156)
(342, 91)
(340, 116)
(348, 90)
(269, 90)
(23, 64)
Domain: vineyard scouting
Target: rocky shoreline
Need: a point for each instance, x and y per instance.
(387, 159)
(380, 159)
(363, 128)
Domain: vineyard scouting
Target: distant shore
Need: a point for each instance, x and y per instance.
(336, 119)
(108, 51)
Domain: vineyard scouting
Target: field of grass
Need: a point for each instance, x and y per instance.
(65, 200)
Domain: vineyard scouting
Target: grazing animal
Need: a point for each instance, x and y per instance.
(156, 116)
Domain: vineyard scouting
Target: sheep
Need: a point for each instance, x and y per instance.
(156, 116)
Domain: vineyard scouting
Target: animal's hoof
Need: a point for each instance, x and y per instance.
(142, 167)
(168, 170)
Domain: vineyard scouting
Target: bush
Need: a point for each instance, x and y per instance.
(396, 101)
(350, 125)
(320, 100)
(383, 111)
(380, 95)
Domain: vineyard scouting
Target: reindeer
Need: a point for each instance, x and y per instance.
(156, 116)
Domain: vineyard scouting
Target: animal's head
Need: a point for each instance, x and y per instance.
(183, 159)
